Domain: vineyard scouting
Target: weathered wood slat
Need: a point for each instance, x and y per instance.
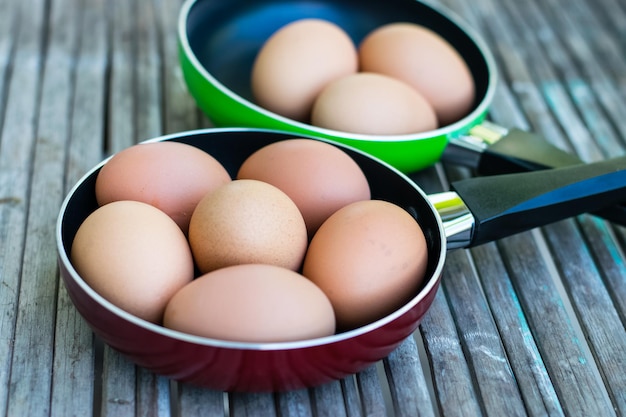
(180, 112)
(327, 400)
(593, 304)
(118, 397)
(409, 389)
(8, 20)
(371, 392)
(148, 71)
(121, 100)
(295, 403)
(22, 389)
(351, 397)
(197, 401)
(153, 394)
(610, 256)
(454, 388)
(251, 404)
(85, 146)
(539, 396)
(480, 339)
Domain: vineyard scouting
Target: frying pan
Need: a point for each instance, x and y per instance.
(219, 41)
(472, 216)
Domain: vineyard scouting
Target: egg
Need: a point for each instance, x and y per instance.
(369, 258)
(251, 303)
(422, 58)
(296, 62)
(247, 221)
(133, 255)
(171, 176)
(373, 104)
(320, 178)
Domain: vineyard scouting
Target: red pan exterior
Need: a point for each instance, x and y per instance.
(232, 369)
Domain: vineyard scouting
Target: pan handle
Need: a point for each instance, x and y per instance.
(491, 149)
(503, 205)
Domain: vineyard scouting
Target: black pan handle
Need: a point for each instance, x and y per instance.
(492, 150)
(521, 151)
(503, 205)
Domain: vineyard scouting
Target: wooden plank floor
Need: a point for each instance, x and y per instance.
(530, 325)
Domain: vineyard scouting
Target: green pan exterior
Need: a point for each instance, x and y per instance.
(405, 153)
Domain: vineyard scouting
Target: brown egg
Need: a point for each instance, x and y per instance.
(373, 104)
(251, 303)
(296, 62)
(369, 258)
(319, 177)
(134, 255)
(168, 175)
(247, 221)
(423, 59)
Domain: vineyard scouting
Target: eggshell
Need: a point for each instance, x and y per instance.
(425, 60)
(319, 177)
(247, 221)
(169, 175)
(374, 104)
(369, 258)
(251, 303)
(134, 255)
(297, 61)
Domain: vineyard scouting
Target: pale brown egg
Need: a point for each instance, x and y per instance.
(251, 303)
(296, 62)
(422, 58)
(319, 177)
(247, 221)
(169, 175)
(373, 104)
(369, 258)
(133, 255)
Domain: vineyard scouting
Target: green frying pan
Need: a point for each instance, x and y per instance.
(219, 41)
